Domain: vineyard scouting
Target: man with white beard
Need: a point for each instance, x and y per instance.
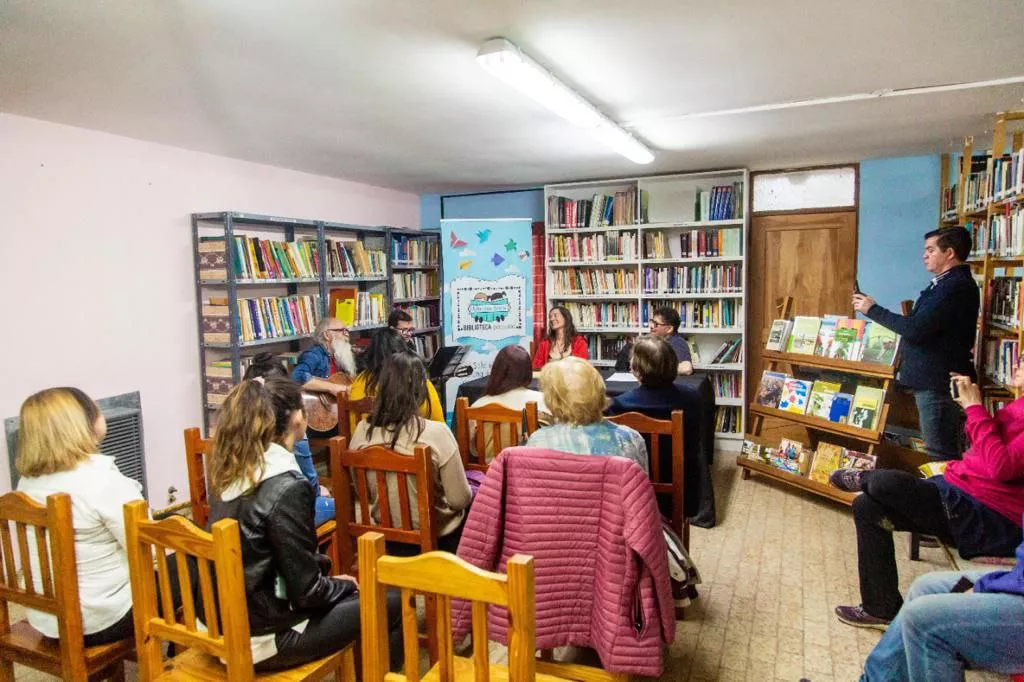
(331, 352)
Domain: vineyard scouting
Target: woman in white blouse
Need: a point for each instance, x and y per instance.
(58, 452)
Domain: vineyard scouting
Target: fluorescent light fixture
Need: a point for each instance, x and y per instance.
(506, 61)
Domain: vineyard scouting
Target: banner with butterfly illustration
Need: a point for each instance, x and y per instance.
(488, 274)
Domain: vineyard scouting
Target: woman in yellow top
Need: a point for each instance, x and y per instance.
(385, 343)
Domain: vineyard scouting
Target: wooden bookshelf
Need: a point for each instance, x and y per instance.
(662, 205)
(795, 480)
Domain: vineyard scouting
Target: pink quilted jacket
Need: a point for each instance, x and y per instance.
(592, 526)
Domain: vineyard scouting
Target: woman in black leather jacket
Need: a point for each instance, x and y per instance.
(297, 613)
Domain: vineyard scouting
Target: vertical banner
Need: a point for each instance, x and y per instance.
(488, 291)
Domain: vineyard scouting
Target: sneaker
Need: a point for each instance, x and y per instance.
(859, 618)
(847, 480)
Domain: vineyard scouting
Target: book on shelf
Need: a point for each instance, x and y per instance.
(704, 243)
(839, 408)
(778, 336)
(722, 202)
(729, 351)
(261, 318)
(604, 347)
(827, 458)
(592, 248)
(769, 391)
(601, 210)
(820, 402)
(1003, 235)
(1004, 301)
(880, 345)
(857, 460)
(1008, 175)
(415, 284)
(595, 281)
(425, 345)
(611, 314)
(728, 419)
(693, 279)
(726, 385)
(719, 313)
(255, 258)
(795, 395)
(342, 304)
(1001, 357)
(791, 456)
(351, 258)
(751, 450)
(867, 407)
(370, 308)
(826, 333)
(804, 335)
(423, 315)
(415, 251)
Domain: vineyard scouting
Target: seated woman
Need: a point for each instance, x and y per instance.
(385, 343)
(938, 632)
(654, 366)
(58, 452)
(508, 386)
(561, 341)
(396, 424)
(976, 504)
(575, 396)
(296, 612)
(266, 366)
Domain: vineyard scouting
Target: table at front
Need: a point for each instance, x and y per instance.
(698, 437)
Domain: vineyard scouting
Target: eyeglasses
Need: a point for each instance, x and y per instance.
(342, 330)
(406, 331)
(655, 323)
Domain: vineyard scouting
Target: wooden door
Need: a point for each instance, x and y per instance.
(809, 256)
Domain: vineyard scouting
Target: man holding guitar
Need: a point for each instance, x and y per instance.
(330, 353)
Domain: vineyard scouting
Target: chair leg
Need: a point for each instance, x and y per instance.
(117, 672)
(430, 608)
(347, 671)
(6, 671)
(915, 547)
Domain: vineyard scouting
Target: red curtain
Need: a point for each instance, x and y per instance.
(540, 309)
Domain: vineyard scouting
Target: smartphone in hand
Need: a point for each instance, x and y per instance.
(954, 388)
(856, 287)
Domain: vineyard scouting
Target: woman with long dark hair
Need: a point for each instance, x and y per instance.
(562, 340)
(297, 613)
(396, 423)
(384, 344)
(508, 386)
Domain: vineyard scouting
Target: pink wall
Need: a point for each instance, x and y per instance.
(96, 274)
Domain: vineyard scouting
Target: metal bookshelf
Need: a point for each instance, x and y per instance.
(229, 224)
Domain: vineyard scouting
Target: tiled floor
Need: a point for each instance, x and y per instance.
(773, 569)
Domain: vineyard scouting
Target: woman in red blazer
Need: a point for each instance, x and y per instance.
(561, 341)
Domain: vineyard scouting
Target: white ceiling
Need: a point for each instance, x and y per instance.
(388, 92)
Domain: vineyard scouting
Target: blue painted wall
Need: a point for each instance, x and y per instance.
(518, 204)
(899, 202)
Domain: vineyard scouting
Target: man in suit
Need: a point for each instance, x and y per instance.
(937, 337)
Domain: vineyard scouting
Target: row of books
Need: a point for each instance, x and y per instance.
(415, 284)
(264, 317)
(422, 315)
(255, 258)
(694, 279)
(723, 202)
(418, 252)
(1002, 236)
(1008, 175)
(604, 315)
(598, 211)
(1001, 357)
(821, 398)
(835, 336)
(592, 247)
(425, 345)
(728, 419)
(604, 347)
(353, 259)
(357, 308)
(701, 314)
(796, 458)
(589, 282)
(719, 243)
(726, 385)
(728, 352)
(1004, 303)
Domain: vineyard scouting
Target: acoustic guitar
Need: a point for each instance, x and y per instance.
(322, 408)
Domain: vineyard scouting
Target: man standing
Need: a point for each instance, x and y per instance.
(938, 336)
(665, 324)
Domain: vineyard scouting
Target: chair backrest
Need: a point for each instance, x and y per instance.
(350, 471)
(218, 558)
(445, 577)
(350, 413)
(669, 482)
(53, 538)
(497, 427)
(196, 448)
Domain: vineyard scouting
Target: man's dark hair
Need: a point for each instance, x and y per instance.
(512, 369)
(670, 315)
(956, 238)
(398, 315)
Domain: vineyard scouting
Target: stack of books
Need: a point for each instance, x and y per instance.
(796, 458)
(821, 398)
(693, 279)
(592, 248)
(835, 336)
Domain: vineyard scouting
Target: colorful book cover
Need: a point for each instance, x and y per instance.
(844, 344)
(769, 392)
(880, 345)
(867, 404)
(858, 460)
(778, 335)
(839, 410)
(795, 394)
(751, 450)
(825, 333)
(820, 402)
(804, 336)
(827, 459)
(791, 457)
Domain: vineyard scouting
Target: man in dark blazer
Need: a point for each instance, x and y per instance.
(937, 337)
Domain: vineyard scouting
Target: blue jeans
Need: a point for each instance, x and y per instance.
(937, 633)
(323, 507)
(941, 423)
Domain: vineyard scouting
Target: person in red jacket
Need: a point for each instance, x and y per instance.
(975, 505)
(562, 340)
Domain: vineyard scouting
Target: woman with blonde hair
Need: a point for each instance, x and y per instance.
(575, 396)
(59, 434)
(297, 613)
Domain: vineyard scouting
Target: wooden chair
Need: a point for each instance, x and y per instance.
(66, 657)
(672, 485)
(350, 413)
(196, 448)
(446, 576)
(503, 425)
(350, 470)
(225, 637)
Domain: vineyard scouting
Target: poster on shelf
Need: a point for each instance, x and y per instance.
(488, 275)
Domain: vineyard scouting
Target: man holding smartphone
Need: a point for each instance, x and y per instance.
(937, 337)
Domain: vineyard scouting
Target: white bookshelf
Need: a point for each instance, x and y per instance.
(670, 211)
